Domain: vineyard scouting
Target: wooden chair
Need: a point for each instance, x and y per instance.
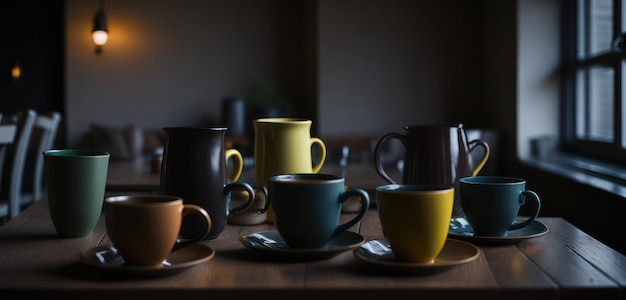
(42, 138)
(13, 172)
(7, 135)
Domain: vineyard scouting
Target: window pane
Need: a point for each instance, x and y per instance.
(595, 27)
(623, 114)
(594, 104)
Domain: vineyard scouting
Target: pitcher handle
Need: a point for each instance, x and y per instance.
(377, 163)
(238, 164)
(322, 153)
(483, 160)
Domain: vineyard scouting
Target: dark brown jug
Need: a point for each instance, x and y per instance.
(194, 168)
(436, 155)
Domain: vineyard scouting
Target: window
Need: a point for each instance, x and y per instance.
(593, 99)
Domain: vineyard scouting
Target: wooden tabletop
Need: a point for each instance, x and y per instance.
(137, 175)
(565, 263)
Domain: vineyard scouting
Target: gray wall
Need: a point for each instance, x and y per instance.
(387, 64)
(354, 67)
(171, 63)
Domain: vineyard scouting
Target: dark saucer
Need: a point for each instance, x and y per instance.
(272, 243)
(107, 258)
(379, 253)
(461, 229)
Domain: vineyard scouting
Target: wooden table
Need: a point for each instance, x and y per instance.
(133, 175)
(565, 263)
(137, 176)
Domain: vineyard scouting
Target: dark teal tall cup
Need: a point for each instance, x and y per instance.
(491, 203)
(307, 208)
(75, 185)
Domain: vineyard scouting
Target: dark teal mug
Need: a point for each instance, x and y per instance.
(307, 208)
(491, 203)
(75, 184)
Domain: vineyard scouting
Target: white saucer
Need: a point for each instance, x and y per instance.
(461, 229)
(271, 242)
(379, 253)
(107, 258)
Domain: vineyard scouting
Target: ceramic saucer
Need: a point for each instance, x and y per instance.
(108, 259)
(462, 230)
(454, 253)
(271, 242)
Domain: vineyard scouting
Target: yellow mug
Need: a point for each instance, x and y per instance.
(415, 219)
(282, 146)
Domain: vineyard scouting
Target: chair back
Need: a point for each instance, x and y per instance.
(13, 173)
(7, 136)
(42, 138)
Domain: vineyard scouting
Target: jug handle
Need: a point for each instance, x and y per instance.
(322, 154)
(377, 163)
(238, 164)
(483, 160)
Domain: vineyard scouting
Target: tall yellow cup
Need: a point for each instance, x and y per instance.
(282, 146)
(415, 219)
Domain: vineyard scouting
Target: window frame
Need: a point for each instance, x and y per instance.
(611, 152)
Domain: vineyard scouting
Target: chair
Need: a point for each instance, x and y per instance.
(42, 138)
(13, 173)
(7, 135)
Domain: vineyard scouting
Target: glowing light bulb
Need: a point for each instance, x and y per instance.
(100, 37)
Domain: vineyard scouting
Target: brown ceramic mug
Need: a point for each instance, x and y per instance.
(145, 228)
(434, 155)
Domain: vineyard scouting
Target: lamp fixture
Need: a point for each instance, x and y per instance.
(16, 71)
(100, 34)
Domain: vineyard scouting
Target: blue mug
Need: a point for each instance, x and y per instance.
(307, 208)
(491, 203)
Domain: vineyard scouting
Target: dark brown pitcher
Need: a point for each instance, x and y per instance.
(194, 168)
(437, 155)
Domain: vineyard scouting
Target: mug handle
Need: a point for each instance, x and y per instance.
(321, 156)
(194, 209)
(377, 163)
(243, 207)
(483, 160)
(526, 194)
(263, 193)
(238, 164)
(365, 204)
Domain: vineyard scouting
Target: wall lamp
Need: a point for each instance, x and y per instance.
(16, 72)
(100, 34)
